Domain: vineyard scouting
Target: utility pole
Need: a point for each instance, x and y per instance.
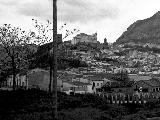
(54, 92)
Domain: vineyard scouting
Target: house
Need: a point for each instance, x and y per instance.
(77, 87)
(119, 87)
(80, 87)
(99, 70)
(142, 87)
(21, 81)
(66, 87)
(150, 86)
(120, 70)
(84, 80)
(135, 77)
(40, 78)
(108, 81)
(36, 78)
(156, 72)
(97, 84)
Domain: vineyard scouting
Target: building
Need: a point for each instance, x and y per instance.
(40, 78)
(150, 86)
(135, 77)
(105, 44)
(142, 87)
(77, 87)
(84, 38)
(21, 81)
(97, 84)
(36, 78)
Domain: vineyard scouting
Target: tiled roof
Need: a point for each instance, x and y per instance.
(77, 83)
(95, 78)
(149, 82)
(139, 77)
(152, 82)
(78, 76)
(121, 84)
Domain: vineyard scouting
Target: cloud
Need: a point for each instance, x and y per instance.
(85, 10)
(36, 8)
(110, 18)
(31, 8)
(9, 2)
(19, 13)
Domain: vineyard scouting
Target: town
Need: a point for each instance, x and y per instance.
(79, 60)
(123, 69)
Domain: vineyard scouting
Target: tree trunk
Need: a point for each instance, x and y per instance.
(54, 92)
(14, 73)
(51, 74)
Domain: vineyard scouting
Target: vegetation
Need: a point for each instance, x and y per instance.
(14, 47)
(36, 105)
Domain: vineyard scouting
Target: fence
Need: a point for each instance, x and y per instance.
(121, 98)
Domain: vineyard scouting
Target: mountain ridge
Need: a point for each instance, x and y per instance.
(143, 31)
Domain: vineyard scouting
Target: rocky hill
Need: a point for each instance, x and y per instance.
(142, 31)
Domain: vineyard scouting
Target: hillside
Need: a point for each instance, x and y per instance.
(42, 57)
(142, 31)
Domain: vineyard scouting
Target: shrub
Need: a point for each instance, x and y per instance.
(88, 113)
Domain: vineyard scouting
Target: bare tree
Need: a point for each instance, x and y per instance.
(13, 42)
(44, 34)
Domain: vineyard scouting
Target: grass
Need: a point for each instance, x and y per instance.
(36, 105)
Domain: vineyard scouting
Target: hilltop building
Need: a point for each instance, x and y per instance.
(105, 44)
(84, 38)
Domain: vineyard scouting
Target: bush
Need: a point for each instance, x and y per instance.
(36, 105)
(88, 113)
(21, 101)
(134, 117)
(33, 116)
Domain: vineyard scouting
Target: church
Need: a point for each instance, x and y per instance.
(84, 38)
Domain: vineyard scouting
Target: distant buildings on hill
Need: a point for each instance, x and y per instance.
(82, 37)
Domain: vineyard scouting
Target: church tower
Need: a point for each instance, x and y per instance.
(105, 44)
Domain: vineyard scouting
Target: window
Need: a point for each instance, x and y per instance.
(72, 88)
(145, 90)
(23, 84)
(97, 84)
(157, 89)
(154, 90)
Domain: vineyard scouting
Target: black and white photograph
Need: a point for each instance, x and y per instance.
(80, 60)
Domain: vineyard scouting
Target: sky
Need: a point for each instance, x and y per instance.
(109, 18)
